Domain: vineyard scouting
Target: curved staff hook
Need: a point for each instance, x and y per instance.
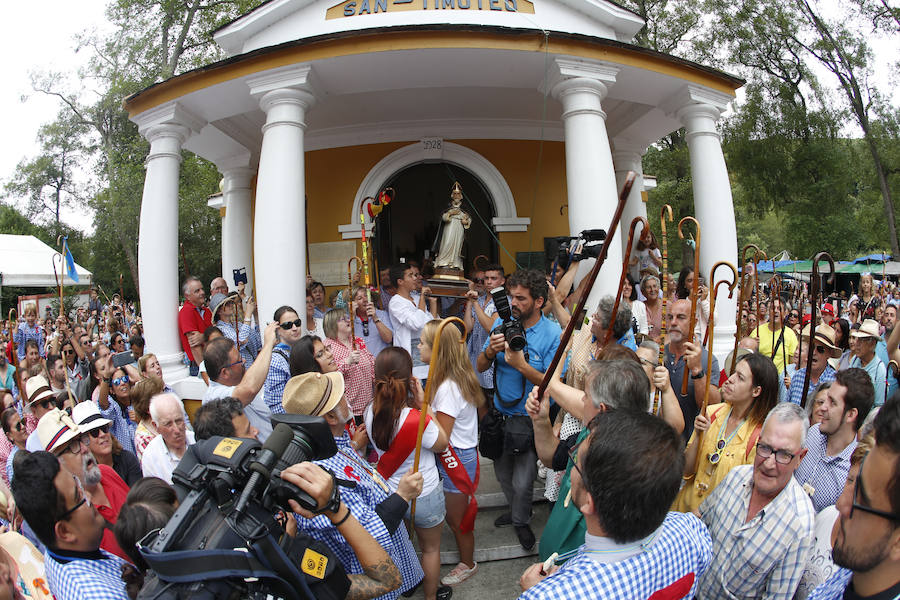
(57, 255)
(695, 286)
(665, 213)
(746, 282)
(756, 256)
(615, 309)
(711, 329)
(814, 294)
(359, 263)
(426, 401)
(12, 325)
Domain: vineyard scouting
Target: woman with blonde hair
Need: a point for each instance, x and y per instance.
(457, 398)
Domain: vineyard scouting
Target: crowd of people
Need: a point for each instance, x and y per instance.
(740, 487)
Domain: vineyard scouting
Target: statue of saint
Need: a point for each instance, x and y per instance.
(456, 221)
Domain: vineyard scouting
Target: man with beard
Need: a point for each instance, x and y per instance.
(776, 340)
(164, 452)
(831, 442)
(60, 436)
(823, 348)
(867, 534)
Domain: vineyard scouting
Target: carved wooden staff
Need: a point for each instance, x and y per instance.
(350, 298)
(615, 309)
(695, 287)
(665, 214)
(57, 255)
(366, 281)
(812, 307)
(759, 313)
(709, 351)
(591, 278)
(426, 401)
(13, 319)
(746, 282)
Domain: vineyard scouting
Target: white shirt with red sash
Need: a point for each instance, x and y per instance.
(404, 437)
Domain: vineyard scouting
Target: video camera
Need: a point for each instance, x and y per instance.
(224, 541)
(566, 246)
(511, 328)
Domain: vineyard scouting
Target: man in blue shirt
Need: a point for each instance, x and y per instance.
(515, 373)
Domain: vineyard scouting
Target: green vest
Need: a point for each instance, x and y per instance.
(565, 528)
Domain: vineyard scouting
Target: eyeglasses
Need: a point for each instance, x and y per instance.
(120, 380)
(649, 363)
(288, 325)
(47, 403)
(74, 446)
(235, 363)
(820, 349)
(782, 457)
(573, 457)
(95, 433)
(84, 500)
(477, 280)
(859, 489)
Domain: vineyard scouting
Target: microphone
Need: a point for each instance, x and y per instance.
(271, 451)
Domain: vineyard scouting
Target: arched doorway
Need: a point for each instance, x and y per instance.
(408, 227)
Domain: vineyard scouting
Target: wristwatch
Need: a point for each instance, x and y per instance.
(698, 375)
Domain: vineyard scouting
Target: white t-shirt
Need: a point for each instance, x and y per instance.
(819, 565)
(427, 466)
(449, 400)
(408, 322)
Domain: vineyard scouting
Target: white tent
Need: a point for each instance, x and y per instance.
(26, 261)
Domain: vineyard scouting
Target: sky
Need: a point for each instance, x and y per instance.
(39, 36)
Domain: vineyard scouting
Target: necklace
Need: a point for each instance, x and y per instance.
(722, 441)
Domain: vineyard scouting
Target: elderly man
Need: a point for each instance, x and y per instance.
(831, 441)
(193, 319)
(633, 547)
(867, 535)
(218, 286)
(823, 348)
(40, 401)
(64, 518)
(163, 454)
(60, 436)
(867, 338)
(229, 377)
(224, 417)
(760, 518)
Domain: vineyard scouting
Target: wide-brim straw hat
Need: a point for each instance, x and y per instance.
(37, 388)
(218, 301)
(824, 335)
(313, 394)
(741, 353)
(87, 416)
(56, 429)
(869, 328)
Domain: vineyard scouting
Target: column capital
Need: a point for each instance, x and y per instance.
(169, 120)
(690, 98)
(581, 85)
(237, 178)
(296, 78)
(627, 154)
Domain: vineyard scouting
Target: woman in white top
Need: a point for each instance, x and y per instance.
(392, 421)
(457, 398)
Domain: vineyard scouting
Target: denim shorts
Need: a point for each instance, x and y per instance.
(429, 509)
(468, 457)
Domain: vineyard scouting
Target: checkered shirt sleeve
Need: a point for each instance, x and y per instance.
(833, 587)
(796, 393)
(762, 558)
(476, 341)
(277, 377)
(83, 579)
(826, 474)
(674, 561)
(358, 377)
(121, 427)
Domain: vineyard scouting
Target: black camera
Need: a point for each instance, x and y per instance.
(224, 541)
(511, 328)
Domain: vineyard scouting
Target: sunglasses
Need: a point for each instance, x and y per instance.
(95, 433)
(478, 280)
(120, 380)
(288, 325)
(20, 426)
(820, 349)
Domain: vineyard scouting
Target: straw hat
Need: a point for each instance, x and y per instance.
(741, 352)
(218, 301)
(37, 388)
(87, 416)
(312, 394)
(824, 335)
(869, 328)
(56, 429)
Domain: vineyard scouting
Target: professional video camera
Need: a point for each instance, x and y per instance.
(224, 540)
(591, 244)
(511, 328)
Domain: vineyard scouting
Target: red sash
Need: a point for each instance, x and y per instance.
(460, 478)
(403, 444)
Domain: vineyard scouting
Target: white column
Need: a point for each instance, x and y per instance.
(627, 157)
(699, 111)
(166, 128)
(279, 258)
(581, 85)
(237, 224)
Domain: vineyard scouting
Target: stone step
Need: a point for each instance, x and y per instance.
(495, 543)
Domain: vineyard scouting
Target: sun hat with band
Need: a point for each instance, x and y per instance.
(87, 416)
(312, 394)
(824, 335)
(56, 429)
(218, 301)
(38, 390)
(868, 329)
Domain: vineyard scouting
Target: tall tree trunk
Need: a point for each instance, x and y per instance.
(885, 194)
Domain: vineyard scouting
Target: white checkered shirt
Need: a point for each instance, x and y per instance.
(277, 377)
(826, 474)
(762, 558)
(833, 587)
(675, 559)
(99, 579)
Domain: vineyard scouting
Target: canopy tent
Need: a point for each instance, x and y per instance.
(26, 261)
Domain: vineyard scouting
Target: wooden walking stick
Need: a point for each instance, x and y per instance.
(184, 264)
(709, 350)
(615, 309)
(591, 278)
(13, 320)
(695, 286)
(61, 313)
(665, 214)
(886, 373)
(350, 298)
(812, 322)
(426, 401)
(746, 282)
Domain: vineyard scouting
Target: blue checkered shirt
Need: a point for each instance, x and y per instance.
(795, 395)
(676, 557)
(121, 427)
(833, 587)
(99, 579)
(277, 378)
(251, 342)
(826, 474)
(764, 557)
(476, 342)
(361, 501)
(24, 333)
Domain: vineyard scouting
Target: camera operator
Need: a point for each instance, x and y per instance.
(516, 468)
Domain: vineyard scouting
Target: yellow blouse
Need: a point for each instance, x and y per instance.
(708, 476)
